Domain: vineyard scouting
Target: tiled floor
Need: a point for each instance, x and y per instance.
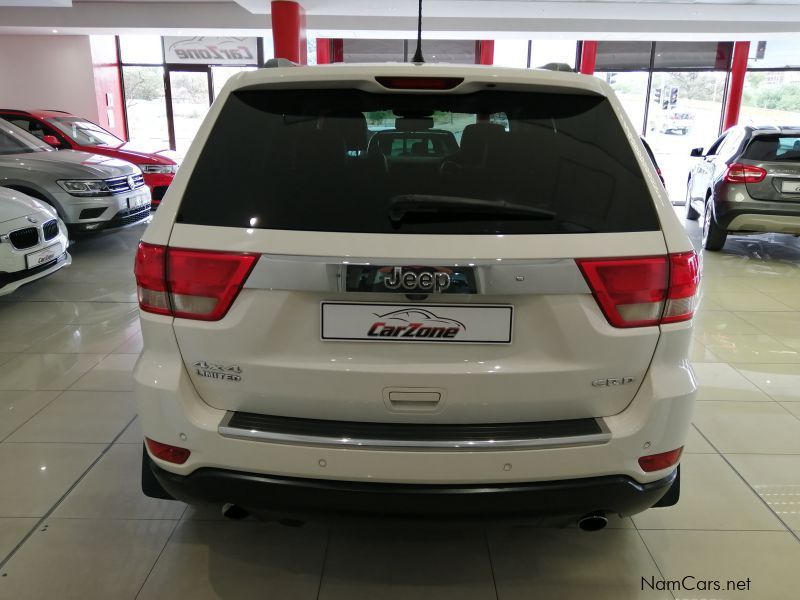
(73, 523)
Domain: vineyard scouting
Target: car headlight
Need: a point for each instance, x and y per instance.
(85, 187)
(161, 169)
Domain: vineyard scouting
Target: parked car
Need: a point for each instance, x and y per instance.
(33, 240)
(64, 131)
(748, 181)
(504, 339)
(90, 192)
(673, 121)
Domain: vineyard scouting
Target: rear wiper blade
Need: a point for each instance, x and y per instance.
(400, 206)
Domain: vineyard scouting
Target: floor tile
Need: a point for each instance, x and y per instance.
(112, 490)
(133, 345)
(112, 374)
(34, 476)
(696, 443)
(780, 382)
(570, 564)
(45, 371)
(91, 292)
(773, 323)
(17, 407)
(78, 559)
(132, 434)
(19, 337)
(745, 301)
(759, 348)
(768, 559)
(722, 321)
(776, 478)
(80, 416)
(792, 407)
(712, 497)
(748, 427)
(404, 562)
(239, 560)
(699, 353)
(12, 531)
(98, 338)
(720, 381)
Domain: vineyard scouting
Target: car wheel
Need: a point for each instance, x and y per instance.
(713, 235)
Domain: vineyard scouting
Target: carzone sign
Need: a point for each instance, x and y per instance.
(200, 50)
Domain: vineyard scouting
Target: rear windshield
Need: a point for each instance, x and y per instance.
(774, 147)
(484, 163)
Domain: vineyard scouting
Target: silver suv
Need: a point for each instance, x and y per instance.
(89, 191)
(747, 182)
(501, 331)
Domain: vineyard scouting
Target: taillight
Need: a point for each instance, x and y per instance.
(419, 83)
(663, 460)
(739, 173)
(189, 284)
(643, 291)
(165, 452)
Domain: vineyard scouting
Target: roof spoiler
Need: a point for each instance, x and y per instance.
(274, 63)
(557, 66)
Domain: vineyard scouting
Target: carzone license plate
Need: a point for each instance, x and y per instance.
(35, 259)
(433, 323)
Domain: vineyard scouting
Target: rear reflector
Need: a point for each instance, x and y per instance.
(739, 173)
(664, 460)
(419, 83)
(189, 284)
(644, 291)
(167, 453)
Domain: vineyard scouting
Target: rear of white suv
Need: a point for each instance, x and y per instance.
(335, 332)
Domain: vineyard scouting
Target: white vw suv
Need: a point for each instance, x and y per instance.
(342, 326)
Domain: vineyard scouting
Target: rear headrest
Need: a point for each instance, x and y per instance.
(478, 138)
(350, 127)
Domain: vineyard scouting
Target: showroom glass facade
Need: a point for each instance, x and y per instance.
(167, 94)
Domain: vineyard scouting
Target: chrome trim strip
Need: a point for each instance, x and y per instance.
(493, 276)
(281, 438)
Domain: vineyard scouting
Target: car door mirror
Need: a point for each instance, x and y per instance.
(696, 152)
(51, 140)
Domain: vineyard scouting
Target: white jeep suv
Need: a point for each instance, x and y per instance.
(334, 328)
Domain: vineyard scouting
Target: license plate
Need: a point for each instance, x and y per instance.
(135, 201)
(791, 187)
(431, 323)
(40, 257)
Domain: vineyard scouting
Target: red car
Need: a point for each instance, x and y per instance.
(68, 132)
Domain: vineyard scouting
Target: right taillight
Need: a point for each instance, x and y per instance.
(739, 173)
(644, 291)
(189, 284)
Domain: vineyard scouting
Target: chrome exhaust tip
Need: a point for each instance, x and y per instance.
(593, 522)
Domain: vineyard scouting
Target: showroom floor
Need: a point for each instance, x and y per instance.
(73, 523)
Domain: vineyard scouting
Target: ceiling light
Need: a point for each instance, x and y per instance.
(55, 30)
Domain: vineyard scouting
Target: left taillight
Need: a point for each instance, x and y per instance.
(189, 284)
(739, 173)
(644, 291)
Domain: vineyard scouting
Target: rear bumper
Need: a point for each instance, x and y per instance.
(319, 499)
(735, 210)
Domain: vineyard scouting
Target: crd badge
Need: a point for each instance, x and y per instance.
(426, 281)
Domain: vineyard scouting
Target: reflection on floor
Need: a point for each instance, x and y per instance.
(73, 523)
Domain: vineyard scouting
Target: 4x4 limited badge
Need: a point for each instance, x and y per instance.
(213, 371)
(422, 281)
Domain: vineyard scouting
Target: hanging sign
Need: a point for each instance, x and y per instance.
(201, 50)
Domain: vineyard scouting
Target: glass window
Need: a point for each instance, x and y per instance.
(693, 55)
(85, 132)
(511, 53)
(631, 89)
(774, 54)
(14, 140)
(774, 147)
(623, 56)
(141, 49)
(553, 51)
(563, 166)
(771, 98)
(373, 51)
(145, 104)
(445, 51)
(685, 112)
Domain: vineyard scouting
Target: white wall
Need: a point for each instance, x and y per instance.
(47, 71)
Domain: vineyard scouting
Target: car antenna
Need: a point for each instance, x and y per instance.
(418, 59)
